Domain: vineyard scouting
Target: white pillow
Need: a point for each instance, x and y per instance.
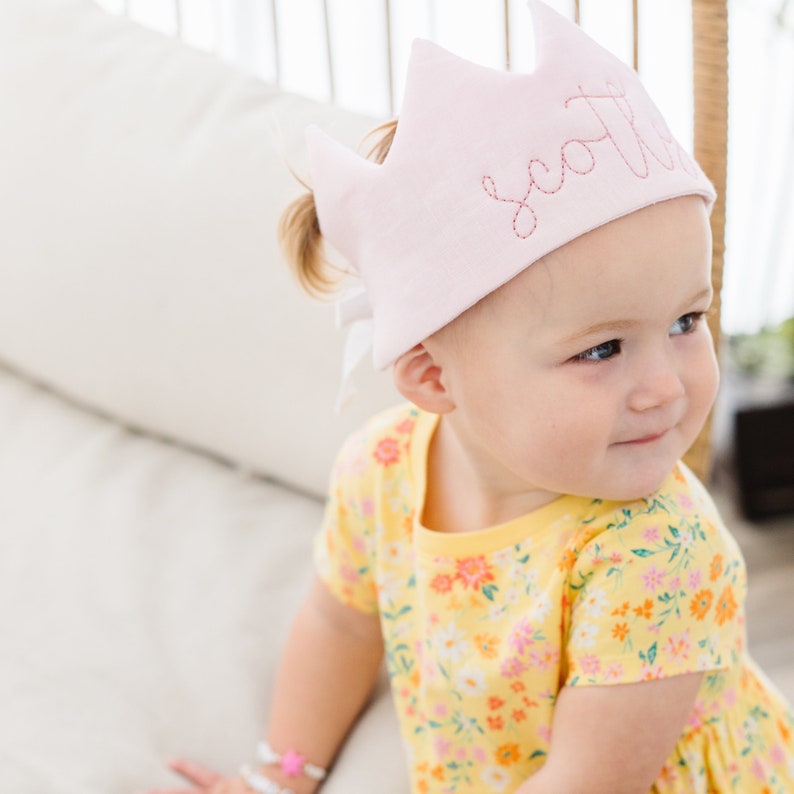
(141, 182)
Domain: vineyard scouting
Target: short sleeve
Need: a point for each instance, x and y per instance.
(659, 591)
(343, 547)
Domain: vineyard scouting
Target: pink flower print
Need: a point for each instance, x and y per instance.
(544, 731)
(521, 637)
(406, 426)
(651, 534)
(460, 754)
(653, 578)
(387, 451)
(512, 667)
(590, 664)
(349, 573)
(613, 673)
(777, 754)
(616, 558)
(698, 715)
(758, 769)
(473, 571)
(360, 544)
(367, 507)
(440, 710)
(694, 579)
(545, 657)
(478, 754)
(650, 672)
(442, 746)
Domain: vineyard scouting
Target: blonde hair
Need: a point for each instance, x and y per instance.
(299, 227)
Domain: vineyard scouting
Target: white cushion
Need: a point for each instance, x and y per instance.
(145, 595)
(140, 186)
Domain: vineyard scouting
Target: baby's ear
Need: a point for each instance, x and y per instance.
(419, 378)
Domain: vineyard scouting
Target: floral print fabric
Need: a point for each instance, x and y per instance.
(480, 628)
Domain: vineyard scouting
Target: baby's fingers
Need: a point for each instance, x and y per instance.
(195, 773)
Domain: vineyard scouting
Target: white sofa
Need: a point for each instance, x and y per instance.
(166, 408)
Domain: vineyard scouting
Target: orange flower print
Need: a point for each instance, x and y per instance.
(442, 583)
(387, 451)
(726, 606)
(519, 715)
(701, 604)
(507, 754)
(716, 568)
(487, 645)
(621, 610)
(620, 631)
(518, 686)
(644, 611)
(567, 561)
(784, 730)
(495, 723)
(422, 786)
(473, 571)
(495, 703)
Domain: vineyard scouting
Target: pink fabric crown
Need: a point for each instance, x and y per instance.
(489, 171)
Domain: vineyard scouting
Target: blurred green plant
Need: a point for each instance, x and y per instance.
(768, 352)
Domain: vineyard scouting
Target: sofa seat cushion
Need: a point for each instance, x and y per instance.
(145, 593)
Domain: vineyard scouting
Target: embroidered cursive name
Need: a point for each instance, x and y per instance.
(619, 132)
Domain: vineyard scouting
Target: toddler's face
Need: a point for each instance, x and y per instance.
(593, 371)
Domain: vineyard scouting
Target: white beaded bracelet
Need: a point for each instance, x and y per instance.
(292, 763)
(261, 784)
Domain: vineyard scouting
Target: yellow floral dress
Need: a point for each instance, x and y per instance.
(480, 628)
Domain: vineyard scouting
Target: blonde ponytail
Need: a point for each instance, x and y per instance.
(299, 228)
(302, 246)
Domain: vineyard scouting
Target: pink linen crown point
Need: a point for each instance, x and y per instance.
(488, 172)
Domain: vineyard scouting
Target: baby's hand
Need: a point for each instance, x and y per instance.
(204, 780)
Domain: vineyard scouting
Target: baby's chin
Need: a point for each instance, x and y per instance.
(637, 484)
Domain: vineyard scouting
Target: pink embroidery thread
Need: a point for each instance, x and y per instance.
(577, 156)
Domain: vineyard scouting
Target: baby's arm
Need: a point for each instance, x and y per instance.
(328, 670)
(614, 739)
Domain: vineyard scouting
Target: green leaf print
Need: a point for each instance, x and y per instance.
(488, 590)
(643, 552)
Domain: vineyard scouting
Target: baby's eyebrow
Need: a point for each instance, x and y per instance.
(598, 329)
(611, 327)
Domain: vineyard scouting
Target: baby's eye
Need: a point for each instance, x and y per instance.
(685, 324)
(600, 352)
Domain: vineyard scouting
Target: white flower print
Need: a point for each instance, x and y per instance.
(502, 558)
(594, 602)
(496, 778)
(451, 643)
(470, 680)
(541, 607)
(584, 635)
(390, 586)
(393, 552)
